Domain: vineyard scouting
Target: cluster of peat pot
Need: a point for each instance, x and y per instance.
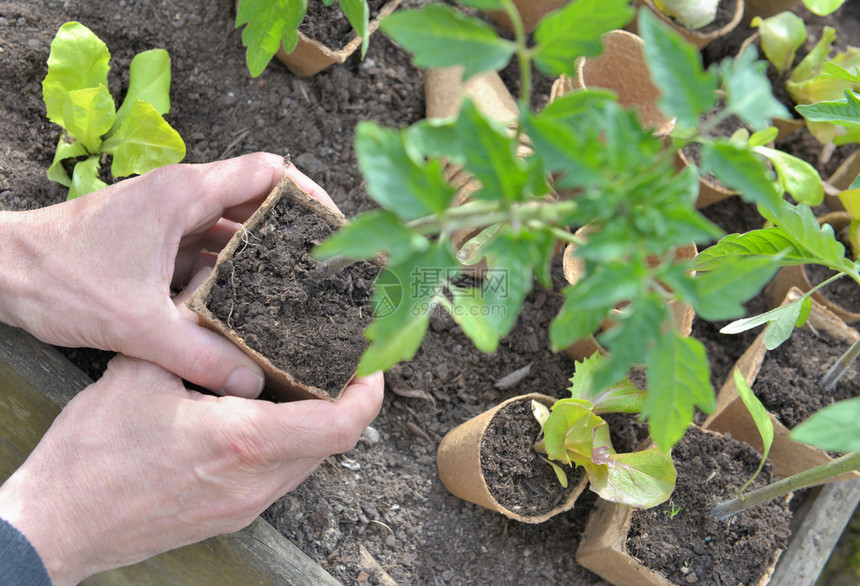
(489, 460)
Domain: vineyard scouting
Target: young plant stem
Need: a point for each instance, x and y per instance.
(480, 214)
(829, 380)
(847, 463)
(523, 56)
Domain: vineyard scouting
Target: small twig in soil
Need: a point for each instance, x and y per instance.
(331, 266)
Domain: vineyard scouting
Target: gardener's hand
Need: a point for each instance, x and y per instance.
(136, 465)
(97, 271)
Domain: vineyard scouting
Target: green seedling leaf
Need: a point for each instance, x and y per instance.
(738, 168)
(835, 428)
(763, 137)
(357, 13)
(404, 298)
(842, 112)
(574, 30)
(270, 23)
(467, 41)
(748, 92)
(781, 37)
(823, 7)
(679, 379)
(822, 86)
(571, 433)
(768, 242)
(85, 178)
(504, 288)
(850, 199)
(721, 291)
(761, 418)
(78, 60)
(559, 471)
(87, 115)
(840, 72)
(372, 233)
(686, 90)
(811, 64)
(620, 397)
(67, 148)
(142, 142)
(397, 177)
(749, 323)
(780, 328)
(800, 226)
(149, 80)
(797, 177)
(639, 479)
(470, 311)
(484, 4)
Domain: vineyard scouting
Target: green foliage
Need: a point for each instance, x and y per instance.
(781, 36)
(761, 418)
(77, 98)
(835, 428)
(271, 24)
(609, 173)
(823, 7)
(575, 434)
(693, 14)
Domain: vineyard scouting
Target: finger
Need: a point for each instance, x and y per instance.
(220, 234)
(312, 428)
(184, 295)
(203, 357)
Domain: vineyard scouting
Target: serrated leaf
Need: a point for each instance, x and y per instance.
(149, 80)
(810, 66)
(357, 13)
(87, 115)
(799, 225)
(722, 290)
(835, 428)
(507, 281)
(678, 381)
(771, 242)
(78, 60)
(781, 37)
(372, 233)
(821, 86)
(574, 30)
(797, 177)
(843, 112)
(840, 72)
(143, 141)
(67, 148)
(405, 295)
(620, 397)
(760, 416)
(738, 168)
(641, 479)
(748, 92)
(686, 90)
(85, 178)
(467, 41)
(269, 24)
(397, 178)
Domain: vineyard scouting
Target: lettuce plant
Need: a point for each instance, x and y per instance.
(76, 95)
(574, 434)
(607, 171)
(693, 14)
(271, 23)
(810, 81)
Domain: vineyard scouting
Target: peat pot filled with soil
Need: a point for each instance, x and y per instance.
(680, 541)
(301, 322)
(728, 16)
(490, 460)
(787, 380)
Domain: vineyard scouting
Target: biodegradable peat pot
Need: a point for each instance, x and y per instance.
(799, 276)
(305, 329)
(531, 12)
(841, 180)
(625, 545)
(788, 457)
(574, 268)
(468, 466)
(734, 11)
(311, 56)
(621, 68)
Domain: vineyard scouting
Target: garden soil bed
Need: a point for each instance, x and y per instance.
(380, 513)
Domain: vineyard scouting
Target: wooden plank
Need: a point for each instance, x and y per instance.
(36, 381)
(817, 532)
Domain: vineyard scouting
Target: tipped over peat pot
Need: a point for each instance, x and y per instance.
(303, 325)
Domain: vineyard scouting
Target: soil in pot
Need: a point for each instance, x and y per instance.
(693, 546)
(272, 294)
(842, 291)
(515, 474)
(788, 382)
(328, 24)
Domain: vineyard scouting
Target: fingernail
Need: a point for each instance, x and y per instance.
(243, 383)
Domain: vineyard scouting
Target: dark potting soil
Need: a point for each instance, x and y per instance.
(515, 474)
(844, 292)
(788, 382)
(329, 25)
(309, 325)
(693, 546)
